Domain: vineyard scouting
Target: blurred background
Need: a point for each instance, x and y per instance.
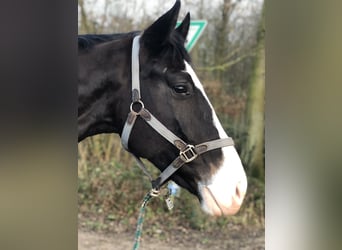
(229, 58)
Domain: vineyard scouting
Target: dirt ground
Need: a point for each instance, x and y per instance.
(244, 240)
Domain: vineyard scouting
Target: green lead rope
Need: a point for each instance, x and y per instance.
(138, 231)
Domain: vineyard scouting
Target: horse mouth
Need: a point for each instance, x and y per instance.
(214, 205)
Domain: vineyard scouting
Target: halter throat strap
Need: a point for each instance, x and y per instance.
(187, 152)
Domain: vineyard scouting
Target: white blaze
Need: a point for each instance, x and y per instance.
(223, 193)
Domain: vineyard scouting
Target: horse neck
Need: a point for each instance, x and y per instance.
(103, 89)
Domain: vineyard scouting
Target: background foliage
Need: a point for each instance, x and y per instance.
(229, 60)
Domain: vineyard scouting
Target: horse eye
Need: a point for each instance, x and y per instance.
(180, 89)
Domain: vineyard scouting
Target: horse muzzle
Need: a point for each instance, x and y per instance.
(224, 192)
(214, 204)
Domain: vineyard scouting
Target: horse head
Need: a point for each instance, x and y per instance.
(172, 92)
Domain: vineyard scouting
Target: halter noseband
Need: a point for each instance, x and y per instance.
(187, 152)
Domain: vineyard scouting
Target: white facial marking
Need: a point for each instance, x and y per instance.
(223, 193)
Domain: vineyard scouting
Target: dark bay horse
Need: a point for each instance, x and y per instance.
(148, 75)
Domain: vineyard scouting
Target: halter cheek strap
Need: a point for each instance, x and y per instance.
(187, 152)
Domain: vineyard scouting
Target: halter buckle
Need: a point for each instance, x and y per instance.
(188, 154)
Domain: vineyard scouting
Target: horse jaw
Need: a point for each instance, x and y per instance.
(224, 191)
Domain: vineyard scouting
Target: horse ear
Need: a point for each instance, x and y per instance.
(183, 28)
(159, 32)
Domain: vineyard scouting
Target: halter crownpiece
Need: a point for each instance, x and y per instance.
(187, 152)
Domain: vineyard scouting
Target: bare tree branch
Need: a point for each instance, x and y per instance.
(228, 64)
(104, 16)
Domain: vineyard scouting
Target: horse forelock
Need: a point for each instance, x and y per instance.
(171, 54)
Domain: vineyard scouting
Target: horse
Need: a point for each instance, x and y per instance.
(141, 85)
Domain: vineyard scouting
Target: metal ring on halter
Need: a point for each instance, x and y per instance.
(141, 107)
(155, 192)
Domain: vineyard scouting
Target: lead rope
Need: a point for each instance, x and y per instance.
(140, 222)
(147, 198)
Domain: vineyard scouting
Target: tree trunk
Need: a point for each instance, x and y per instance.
(254, 154)
(222, 37)
(84, 20)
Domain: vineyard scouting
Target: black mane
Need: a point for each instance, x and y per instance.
(174, 49)
(88, 41)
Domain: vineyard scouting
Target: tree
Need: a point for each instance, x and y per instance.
(222, 31)
(253, 153)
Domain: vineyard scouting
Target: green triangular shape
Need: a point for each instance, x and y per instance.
(195, 31)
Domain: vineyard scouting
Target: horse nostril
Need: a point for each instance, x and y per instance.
(240, 191)
(237, 192)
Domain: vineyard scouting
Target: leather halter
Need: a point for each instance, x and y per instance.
(187, 152)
